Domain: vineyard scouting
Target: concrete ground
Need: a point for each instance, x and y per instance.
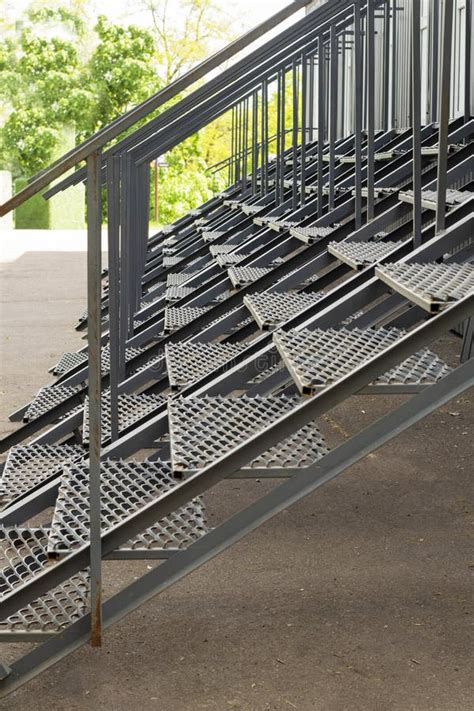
(359, 598)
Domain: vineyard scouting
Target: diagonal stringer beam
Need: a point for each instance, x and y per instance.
(242, 523)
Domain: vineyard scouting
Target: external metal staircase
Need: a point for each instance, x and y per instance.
(216, 346)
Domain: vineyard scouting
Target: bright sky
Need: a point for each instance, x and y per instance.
(251, 11)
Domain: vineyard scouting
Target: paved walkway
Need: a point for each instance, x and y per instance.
(358, 599)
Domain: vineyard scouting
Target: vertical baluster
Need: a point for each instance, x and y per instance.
(321, 123)
(444, 93)
(94, 278)
(370, 45)
(358, 90)
(416, 120)
(113, 236)
(333, 63)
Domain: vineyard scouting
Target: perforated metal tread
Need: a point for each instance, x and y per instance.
(68, 361)
(28, 466)
(360, 254)
(216, 249)
(131, 410)
(48, 398)
(24, 552)
(269, 309)
(171, 261)
(127, 487)
(187, 362)
(432, 286)
(241, 276)
(317, 358)
(175, 293)
(429, 197)
(309, 235)
(202, 429)
(252, 209)
(212, 235)
(225, 260)
(176, 317)
(179, 278)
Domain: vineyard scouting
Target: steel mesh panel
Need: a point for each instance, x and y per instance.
(212, 235)
(453, 197)
(318, 358)
(131, 409)
(175, 293)
(48, 398)
(126, 487)
(216, 249)
(29, 465)
(224, 260)
(272, 308)
(72, 360)
(187, 362)
(252, 209)
(284, 224)
(361, 254)
(24, 550)
(176, 317)
(311, 234)
(171, 261)
(242, 276)
(179, 278)
(431, 285)
(170, 241)
(202, 429)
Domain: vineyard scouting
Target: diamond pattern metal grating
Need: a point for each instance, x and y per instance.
(224, 260)
(179, 278)
(131, 410)
(432, 286)
(175, 293)
(317, 358)
(311, 234)
(360, 254)
(48, 398)
(24, 550)
(176, 317)
(242, 276)
(211, 236)
(187, 362)
(127, 487)
(68, 361)
(28, 466)
(202, 429)
(269, 309)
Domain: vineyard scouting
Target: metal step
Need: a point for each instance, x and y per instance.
(269, 309)
(69, 361)
(252, 209)
(359, 255)
(28, 466)
(175, 293)
(279, 225)
(176, 317)
(187, 362)
(431, 286)
(242, 276)
(222, 249)
(24, 551)
(179, 278)
(126, 488)
(429, 197)
(48, 398)
(225, 260)
(309, 235)
(171, 261)
(202, 429)
(212, 235)
(315, 359)
(132, 409)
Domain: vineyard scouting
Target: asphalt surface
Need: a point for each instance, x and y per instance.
(359, 598)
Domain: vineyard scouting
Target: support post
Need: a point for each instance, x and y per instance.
(358, 89)
(416, 121)
(370, 45)
(444, 94)
(94, 259)
(113, 236)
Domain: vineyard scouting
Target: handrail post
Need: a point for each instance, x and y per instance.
(94, 279)
(444, 95)
(416, 121)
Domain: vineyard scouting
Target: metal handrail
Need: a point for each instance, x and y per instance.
(130, 118)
